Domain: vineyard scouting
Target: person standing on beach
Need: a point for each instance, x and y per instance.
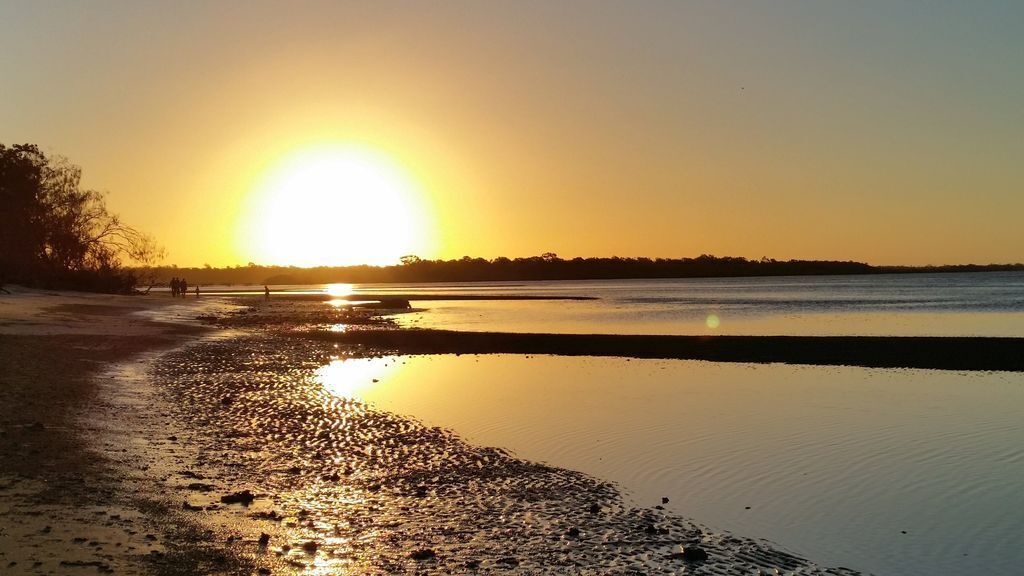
(266, 292)
(183, 287)
(197, 290)
(174, 287)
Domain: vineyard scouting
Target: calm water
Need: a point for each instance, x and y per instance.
(834, 463)
(889, 471)
(986, 304)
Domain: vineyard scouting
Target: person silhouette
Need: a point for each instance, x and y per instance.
(183, 286)
(174, 287)
(197, 290)
(266, 292)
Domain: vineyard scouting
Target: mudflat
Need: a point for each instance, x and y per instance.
(188, 449)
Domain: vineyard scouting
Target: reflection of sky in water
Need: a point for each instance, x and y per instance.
(935, 453)
(983, 304)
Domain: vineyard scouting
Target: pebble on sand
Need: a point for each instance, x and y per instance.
(423, 554)
(244, 498)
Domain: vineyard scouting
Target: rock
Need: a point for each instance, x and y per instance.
(664, 499)
(200, 487)
(264, 539)
(263, 571)
(574, 532)
(651, 529)
(310, 547)
(509, 561)
(227, 400)
(595, 508)
(423, 554)
(190, 507)
(244, 498)
(691, 554)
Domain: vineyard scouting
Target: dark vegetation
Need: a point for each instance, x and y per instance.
(545, 267)
(54, 234)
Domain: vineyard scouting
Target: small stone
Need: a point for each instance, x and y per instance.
(264, 539)
(244, 498)
(691, 554)
(574, 532)
(595, 508)
(423, 554)
(664, 499)
(310, 547)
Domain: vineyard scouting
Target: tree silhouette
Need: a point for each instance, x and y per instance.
(54, 233)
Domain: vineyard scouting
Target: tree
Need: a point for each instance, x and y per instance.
(54, 232)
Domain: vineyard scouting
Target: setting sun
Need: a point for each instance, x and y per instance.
(334, 206)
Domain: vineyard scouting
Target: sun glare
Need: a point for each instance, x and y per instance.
(336, 206)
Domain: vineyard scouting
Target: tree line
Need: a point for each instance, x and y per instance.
(547, 266)
(56, 234)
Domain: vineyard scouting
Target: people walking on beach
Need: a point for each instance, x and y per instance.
(183, 287)
(174, 287)
(266, 292)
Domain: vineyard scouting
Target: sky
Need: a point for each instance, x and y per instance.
(887, 132)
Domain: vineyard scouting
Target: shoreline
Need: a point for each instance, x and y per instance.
(175, 433)
(939, 353)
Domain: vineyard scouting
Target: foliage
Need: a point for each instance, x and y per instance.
(547, 266)
(55, 233)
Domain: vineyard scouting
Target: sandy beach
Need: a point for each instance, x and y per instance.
(140, 439)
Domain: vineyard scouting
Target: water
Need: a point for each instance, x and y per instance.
(889, 471)
(983, 304)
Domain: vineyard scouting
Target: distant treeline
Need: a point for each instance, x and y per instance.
(545, 267)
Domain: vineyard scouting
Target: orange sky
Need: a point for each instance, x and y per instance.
(863, 131)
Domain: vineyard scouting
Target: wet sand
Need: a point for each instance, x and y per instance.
(945, 353)
(178, 450)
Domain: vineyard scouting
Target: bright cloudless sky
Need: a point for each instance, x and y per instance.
(888, 132)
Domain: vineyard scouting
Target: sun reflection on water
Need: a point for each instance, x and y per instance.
(338, 290)
(346, 377)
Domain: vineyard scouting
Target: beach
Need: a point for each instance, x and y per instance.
(208, 446)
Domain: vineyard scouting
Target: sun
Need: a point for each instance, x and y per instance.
(336, 206)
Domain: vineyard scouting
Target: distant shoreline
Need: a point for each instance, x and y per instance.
(925, 352)
(539, 269)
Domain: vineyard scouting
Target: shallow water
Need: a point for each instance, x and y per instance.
(833, 463)
(982, 304)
